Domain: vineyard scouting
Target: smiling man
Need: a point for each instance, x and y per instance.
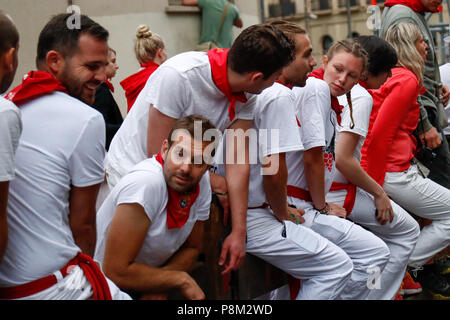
(59, 167)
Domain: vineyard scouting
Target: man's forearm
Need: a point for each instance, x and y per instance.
(237, 176)
(275, 190)
(315, 176)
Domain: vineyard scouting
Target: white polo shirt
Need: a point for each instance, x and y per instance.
(317, 121)
(146, 186)
(62, 144)
(362, 103)
(181, 86)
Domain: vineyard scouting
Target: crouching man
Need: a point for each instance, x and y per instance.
(150, 227)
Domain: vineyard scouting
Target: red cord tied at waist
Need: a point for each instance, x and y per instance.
(349, 201)
(299, 193)
(90, 269)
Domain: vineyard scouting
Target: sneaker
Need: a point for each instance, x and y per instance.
(409, 286)
(431, 280)
(443, 265)
(398, 297)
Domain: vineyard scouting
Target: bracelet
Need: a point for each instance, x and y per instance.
(324, 210)
(220, 193)
(294, 217)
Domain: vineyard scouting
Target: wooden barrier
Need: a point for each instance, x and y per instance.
(254, 278)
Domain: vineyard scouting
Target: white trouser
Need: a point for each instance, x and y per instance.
(427, 199)
(75, 286)
(400, 236)
(323, 267)
(369, 253)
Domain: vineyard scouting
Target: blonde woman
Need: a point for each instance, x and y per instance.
(150, 51)
(389, 150)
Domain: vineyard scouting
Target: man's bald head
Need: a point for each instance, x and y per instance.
(9, 43)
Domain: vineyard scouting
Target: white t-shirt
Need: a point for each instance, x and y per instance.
(181, 86)
(317, 121)
(145, 185)
(62, 144)
(362, 103)
(10, 130)
(445, 78)
(275, 130)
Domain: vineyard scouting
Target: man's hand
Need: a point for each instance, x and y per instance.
(384, 211)
(296, 215)
(431, 138)
(233, 252)
(445, 95)
(337, 210)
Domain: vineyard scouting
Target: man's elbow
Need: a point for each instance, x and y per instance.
(238, 23)
(117, 274)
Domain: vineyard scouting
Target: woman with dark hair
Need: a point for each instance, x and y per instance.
(390, 147)
(363, 198)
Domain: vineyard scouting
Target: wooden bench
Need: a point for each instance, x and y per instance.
(254, 278)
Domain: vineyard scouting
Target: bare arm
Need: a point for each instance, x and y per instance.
(159, 126)
(237, 178)
(315, 177)
(352, 170)
(238, 23)
(82, 217)
(275, 189)
(189, 2)
(3, 217)
(130, 222)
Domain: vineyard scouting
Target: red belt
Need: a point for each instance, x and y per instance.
(349, 201)
(298, 193)
(91, 271)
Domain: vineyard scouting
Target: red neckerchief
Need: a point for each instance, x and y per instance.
(110, 86)
(178, 208)
(134, 84)
(290, 86)
(218, 60)
(34, 85)
(414, 5)
(318, 73)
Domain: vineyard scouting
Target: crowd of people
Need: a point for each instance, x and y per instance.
(321, 172)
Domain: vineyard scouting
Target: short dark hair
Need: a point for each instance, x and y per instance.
(261, 47)
(9, 36)
(188, 123)
(382, 56)
(57, 35)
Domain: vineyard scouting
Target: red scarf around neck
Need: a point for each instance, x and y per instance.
(110, 85)
(415, 5)
(178, 206)
(318, 73)
(218, 59)
(134, 84)
(34, 85)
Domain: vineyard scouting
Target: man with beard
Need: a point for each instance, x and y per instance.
(159, 208)
(59, 167)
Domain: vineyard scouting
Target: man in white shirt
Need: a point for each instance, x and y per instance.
(219, 85)
(10, 122)
(273, 230)
(58, 170)
(159, 208)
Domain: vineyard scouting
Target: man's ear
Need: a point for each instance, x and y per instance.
(324, 61)
(55, 61)
(164, 149)
(7, 59)
(256, 76)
